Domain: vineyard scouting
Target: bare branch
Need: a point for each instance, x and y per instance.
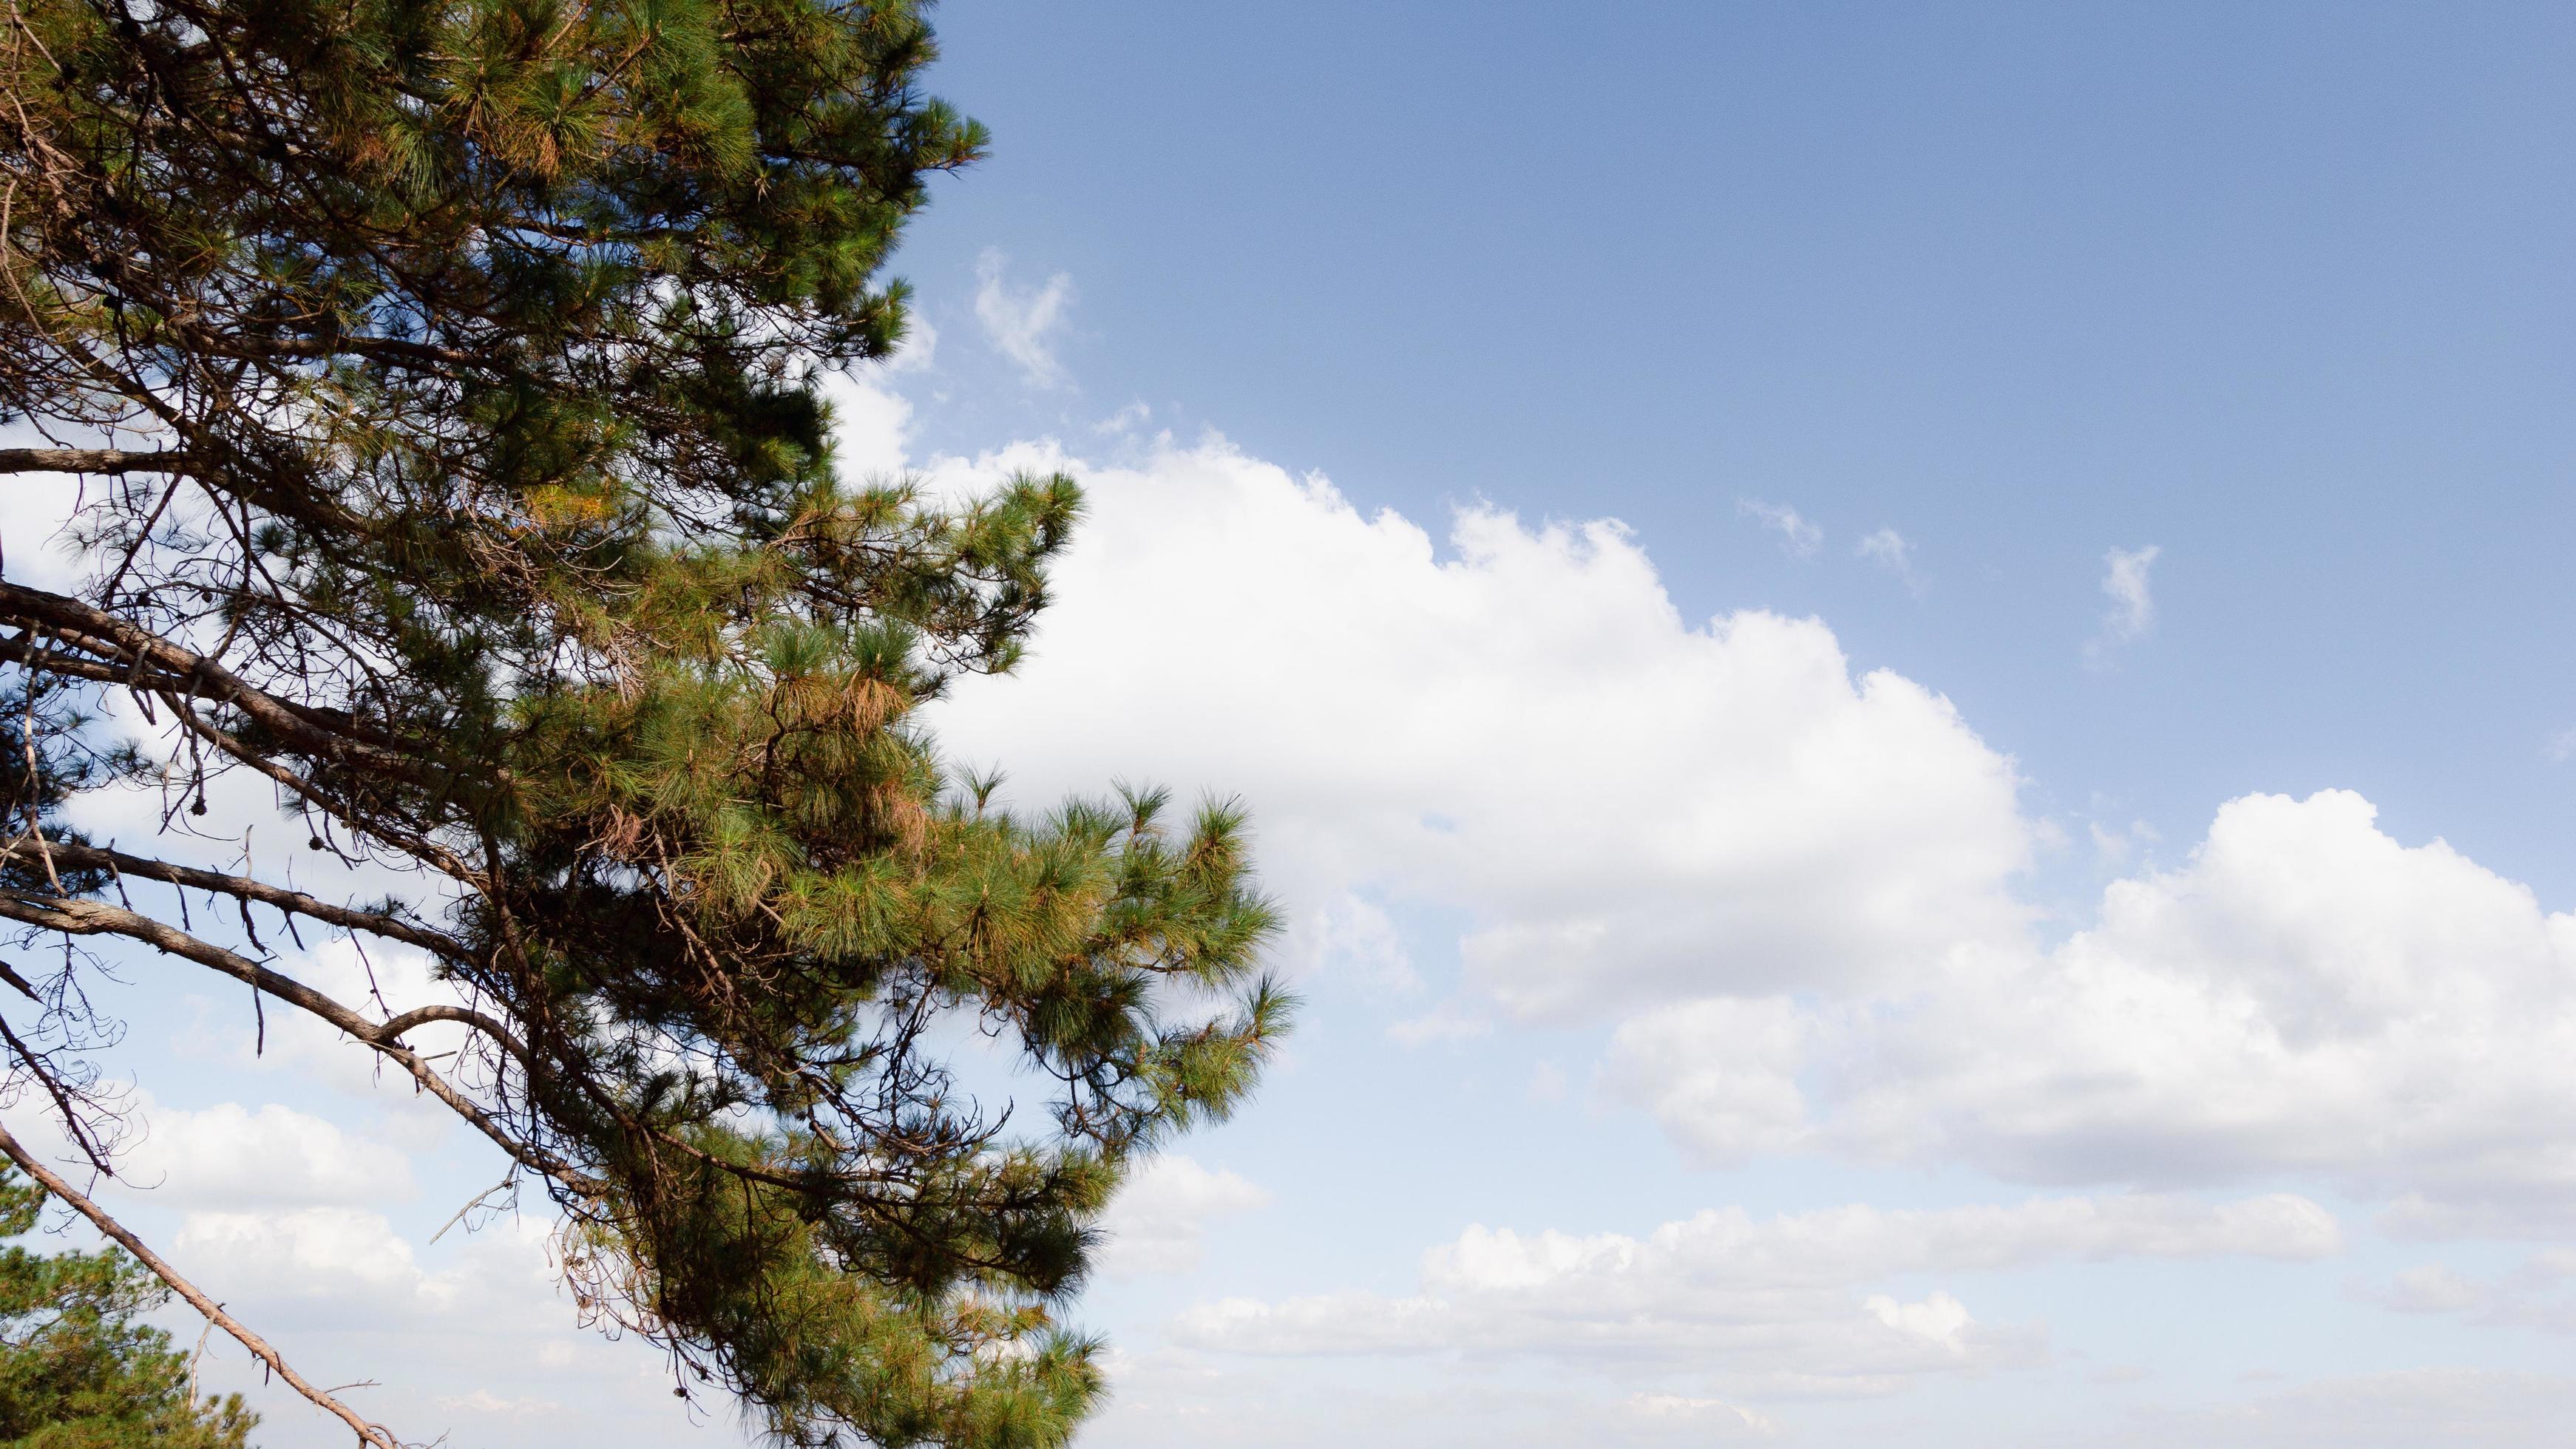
(305, 727)
(246, 888)
(92, 460)
(374, 1434)
(94, 918)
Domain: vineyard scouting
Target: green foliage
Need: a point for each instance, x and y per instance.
(492, 517)
(76, 1370)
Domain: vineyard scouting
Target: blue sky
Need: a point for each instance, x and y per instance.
(1881, 919)
(2283, 287)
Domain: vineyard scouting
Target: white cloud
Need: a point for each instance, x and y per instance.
(1353, 934)
(1629, 805)
(1723, 1251)
(1793, 888)
(2306, 996)
(2538, 1294)
(312, 1252)
(872, 427)
(1714, 1417)
(1770, 1307)
(920, 349)
(1888, 549)
(1020, 324)
(1126, 420)
(1449, 1021)
(484, 1401)
(1158, 1222)
(228, 1155)
(1797, 535)
(2132, 615)
(2113, 846)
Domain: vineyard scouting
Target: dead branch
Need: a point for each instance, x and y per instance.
(371, 1434)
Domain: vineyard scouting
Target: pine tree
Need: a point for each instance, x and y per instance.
(76, 1370)
(444, 381)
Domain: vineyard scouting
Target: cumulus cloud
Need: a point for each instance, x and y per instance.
(1158, 1222)
(2305, 996)
(1021, 323)
(1792, 887)
(1514, 720)
(1772, 1306)
(872, 428)
(311, 1252)
(1723, 1250)
(1799, 537)
(2132, 615)
(229, 1155)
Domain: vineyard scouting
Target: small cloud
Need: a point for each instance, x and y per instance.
(2432, 1288)
(2114, 846)
(2561, 747)
(1888, 549)
(1939, 1319)
(1356, 935)
(920, 346)
(2132, 615)
(1126, 420)
(1158, 1222)
(1445, 1022)
(484, 1401)
(1713, 1414)
(1021, 324)
(1799, 537)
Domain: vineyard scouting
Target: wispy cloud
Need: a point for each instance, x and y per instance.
(1797, 535)
(2132, 615)
(1889, 550)
(1126, 420)
(1021, 324)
